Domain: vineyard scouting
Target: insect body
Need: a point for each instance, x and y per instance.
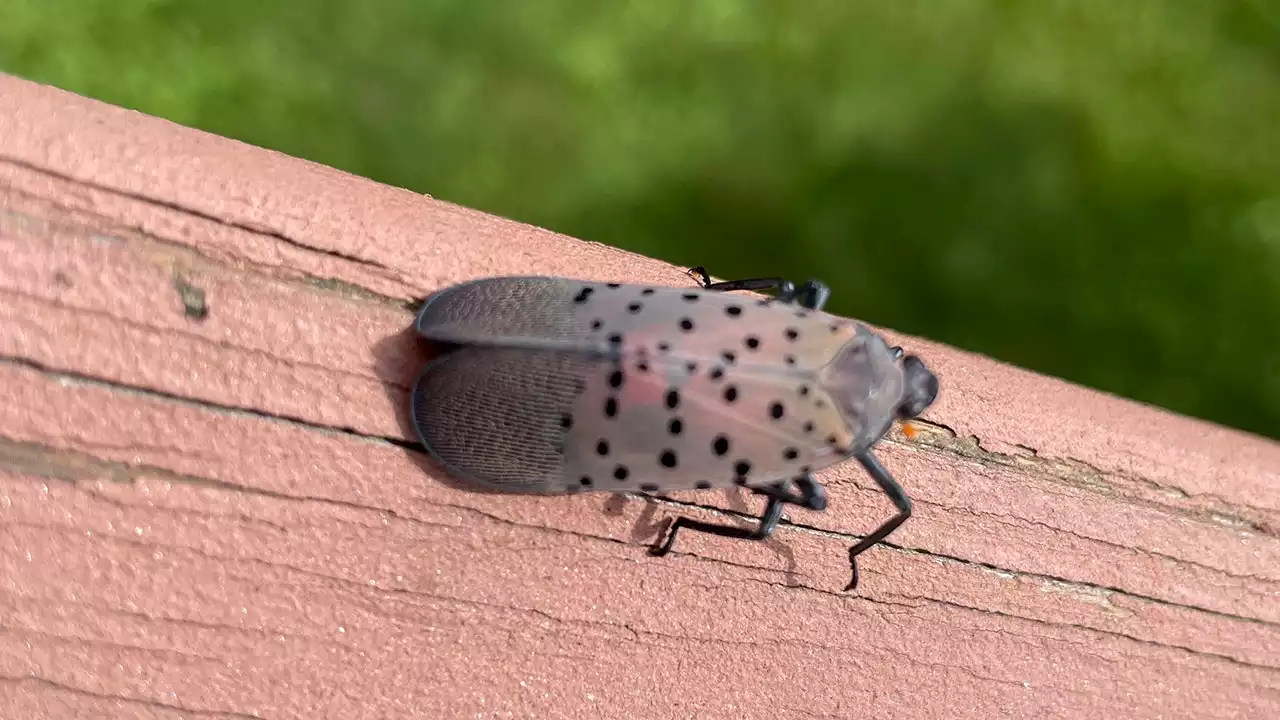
(557, 385)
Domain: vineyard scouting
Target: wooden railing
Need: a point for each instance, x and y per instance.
(211, 505)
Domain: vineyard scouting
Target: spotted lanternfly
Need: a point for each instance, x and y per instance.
(554, 385)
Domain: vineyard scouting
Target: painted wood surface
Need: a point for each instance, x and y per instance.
(211, 505)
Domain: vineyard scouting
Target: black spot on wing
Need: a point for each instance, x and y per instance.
(720, 446)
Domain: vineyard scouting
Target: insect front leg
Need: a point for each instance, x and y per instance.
(900, 500)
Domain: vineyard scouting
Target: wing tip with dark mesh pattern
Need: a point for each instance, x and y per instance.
(491, 416)
(420, 417)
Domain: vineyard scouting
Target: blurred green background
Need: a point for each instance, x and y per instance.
(1089, 188)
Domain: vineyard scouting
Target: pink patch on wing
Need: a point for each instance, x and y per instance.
(645, 388)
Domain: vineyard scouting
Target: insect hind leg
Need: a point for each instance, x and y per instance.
(900, 500)
(768, 523)
(811, 294)
(783, 285)
(811, 495)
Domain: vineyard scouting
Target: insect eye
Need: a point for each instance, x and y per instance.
(921, 388)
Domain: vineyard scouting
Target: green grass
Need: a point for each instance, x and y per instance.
(1089, 188)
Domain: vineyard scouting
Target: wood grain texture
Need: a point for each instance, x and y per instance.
(211, 506)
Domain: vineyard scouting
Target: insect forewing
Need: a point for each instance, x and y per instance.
(577, 314)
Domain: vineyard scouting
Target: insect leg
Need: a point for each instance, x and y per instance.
(784, 286)
(811, 294)
(768, 523)
(812, 495)
(900, 500)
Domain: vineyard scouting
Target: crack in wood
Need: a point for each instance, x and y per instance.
(1077, 473)
(144, 702)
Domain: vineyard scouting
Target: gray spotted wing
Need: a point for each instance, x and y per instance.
(566, 313)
